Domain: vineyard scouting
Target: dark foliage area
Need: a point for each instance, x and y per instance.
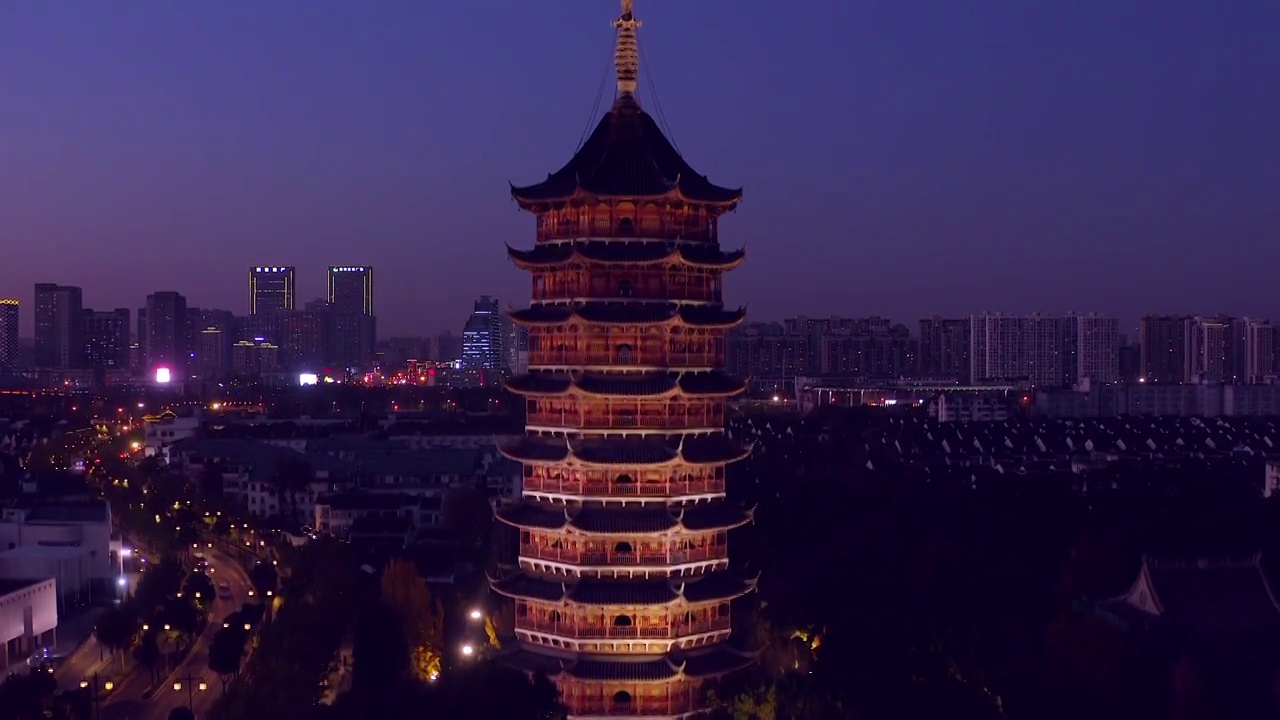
(887, 594)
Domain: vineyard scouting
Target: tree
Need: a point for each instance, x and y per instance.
(406, 594)
(264, 578)
(226, 652)
(115, 629)
(181, 713)
(147, 653)
(180, 614)
(198, 582)
(210, 481)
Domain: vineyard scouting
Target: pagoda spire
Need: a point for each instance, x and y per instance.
(626, 54)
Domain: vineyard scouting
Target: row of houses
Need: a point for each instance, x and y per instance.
(358, 486)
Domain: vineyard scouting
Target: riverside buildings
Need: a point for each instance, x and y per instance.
(622, 587)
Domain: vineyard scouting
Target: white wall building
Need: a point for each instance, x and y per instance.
(83, 527)
(165, 429)
(28, 618)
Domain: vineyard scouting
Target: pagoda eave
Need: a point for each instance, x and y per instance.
(548, 195)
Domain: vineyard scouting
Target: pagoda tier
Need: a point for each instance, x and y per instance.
(655, 271)
(602, 686)
(630, 253)
(651, 518)
(646, 452)
(559, 482)
(646, 385)
(623, 587)
(606, 314)
(645, 403)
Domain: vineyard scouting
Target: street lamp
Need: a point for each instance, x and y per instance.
(193, 684)
(97, 691)
(475, 614)
(467, 650)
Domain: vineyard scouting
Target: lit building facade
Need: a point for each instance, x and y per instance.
(57, 313)
(353, 329)
(622, 587)
(271, 288)
(482, 336)
(106, 337)
(166, 331)
(8, 334)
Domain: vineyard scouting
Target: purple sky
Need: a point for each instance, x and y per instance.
(899, 158)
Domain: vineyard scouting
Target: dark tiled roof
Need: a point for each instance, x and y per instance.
(720, 515)
(711, 383)
(713, 448)
(626, 156)
(636, 252)
(542, 254)
(528, 514)
(533, 662)
(1215, 598)
(711, 256)
(625, 313)
(535, 449)
(527, 586)
(625, 451)
(8, 587)
(718, 660)
(626, 252)
(358, 500)
(643, 668)
(623, 592)
(717, 586)
(626, 384)
(539, 383)
(90, 511)
(637, 520)
(705, 316)
(542, 314)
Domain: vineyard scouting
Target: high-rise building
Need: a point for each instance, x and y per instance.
(351, 289)
(515, 347)
(352, 327)
(58, 310)
(168, 344)
(944, 348)
(1040, 348)
(1098, 348)
(624, 584)
(271, 288)
(8, 334)
(1261, 341)
(1163, 346)
(106, 337)
(482, 336)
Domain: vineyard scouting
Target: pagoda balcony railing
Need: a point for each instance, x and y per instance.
(671, 359)
(630, 489)
(598, 422)
(578, 292)
(608, 557)
(594, 631)
(642, 706)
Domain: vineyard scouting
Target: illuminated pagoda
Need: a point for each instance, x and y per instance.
(623, 588)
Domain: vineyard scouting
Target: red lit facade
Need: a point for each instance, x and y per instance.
(623, 587)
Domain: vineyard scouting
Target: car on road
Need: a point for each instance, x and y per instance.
(224, 591)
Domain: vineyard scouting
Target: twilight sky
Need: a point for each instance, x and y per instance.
(899, 158)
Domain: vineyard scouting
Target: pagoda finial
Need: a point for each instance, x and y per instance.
(626, 55)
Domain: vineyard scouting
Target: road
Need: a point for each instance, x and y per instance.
(128, 701)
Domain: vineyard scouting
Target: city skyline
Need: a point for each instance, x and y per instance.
(1123, 166)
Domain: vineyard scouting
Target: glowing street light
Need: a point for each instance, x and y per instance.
(475, 614)
(467, 650)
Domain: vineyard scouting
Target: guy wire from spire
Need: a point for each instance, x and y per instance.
(657, 103)
(595, 107)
